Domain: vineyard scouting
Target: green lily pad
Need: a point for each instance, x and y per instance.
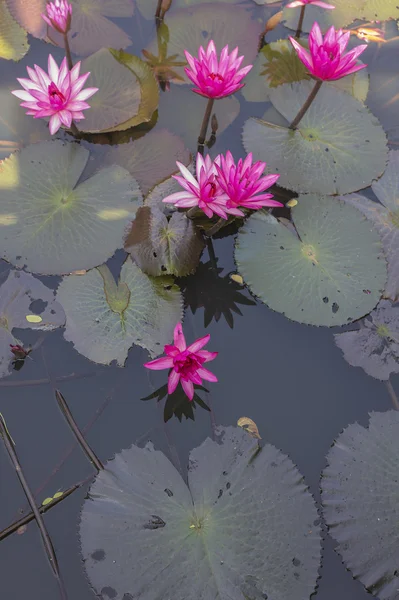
(19, 296)
(338, 147)
(13, 39)
(331, 273)
(205, 540)
(151, 158)
(50, 221)
(383, 97)
(360, 490)
(380, 10)
(375, 346)
(105, 319)
(278, 63)
(127, 91)
(162, 246)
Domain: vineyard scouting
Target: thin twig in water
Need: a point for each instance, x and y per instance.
(43, 381)
(392, 394)
(77, 433)
(40, 523)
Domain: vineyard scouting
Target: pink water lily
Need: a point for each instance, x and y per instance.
(216, 78)
(59, 15)
(297, 3)
(203, 190)
(327, 60)
(244, 185)
(58, 94)
(186, 363)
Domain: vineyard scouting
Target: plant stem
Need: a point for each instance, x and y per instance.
(204, 126)
(158, 11)
(307, 104)
(68, 52)
(300, 22)
(218, 225)
(211, 251)
(392, 394)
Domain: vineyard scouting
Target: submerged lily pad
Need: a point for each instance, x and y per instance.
(148, 7)
(53, 223)
(245, 527)
(105, 318)
(375, 346)
(13, 39)
(331, 273)
(360, 489)
(338, 147)
(162, 246)
(127, 91)
(23, 296)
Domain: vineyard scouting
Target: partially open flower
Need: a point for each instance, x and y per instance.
(59, 15)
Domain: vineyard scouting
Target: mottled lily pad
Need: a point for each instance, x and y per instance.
(360, 489)
(127, 91)
(205, 540)
(22, 296)
(105, 318)
(338, 147)
(162, 246)
(375, 346)
(330, 273)
(13, 39)
(51, 221)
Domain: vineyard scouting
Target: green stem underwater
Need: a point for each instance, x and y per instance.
(307, 104)
(300, 22)
(204, 126)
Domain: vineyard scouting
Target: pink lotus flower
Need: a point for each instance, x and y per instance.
(203, 191)
(243, 184)
(58, 94)
(297, 3)
(327, 60)
(59, 15)
(216, 78)
(186, 363)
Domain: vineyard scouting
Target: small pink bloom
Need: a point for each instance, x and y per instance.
(244, 185)
(59, 15)
(203, 191)
(296, 3)
(327, 59)
(186, 363)
(58, 94)
(216, 78)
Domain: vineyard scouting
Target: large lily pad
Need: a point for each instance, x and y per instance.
(339, 147)
(53, 223)
(22, 296)
(28, 13)
(13, 39)
(331, 273)
(151, 158)
(105, 318)
(360, 490)
(375, 346)
(127, 91)
(162, 246)
(245, 527)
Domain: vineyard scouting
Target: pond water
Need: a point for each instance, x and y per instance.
(289, 377)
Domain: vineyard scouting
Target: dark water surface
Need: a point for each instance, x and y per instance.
(291, 379)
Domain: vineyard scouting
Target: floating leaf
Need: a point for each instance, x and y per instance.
(13, 39)
(344, 13)
(28, 13)
(151, 158)
(103, 330)
(333, 273)
(52, 224)
(162, 246)
(20, 295)
(148, 7)
(250, 426)
(207, 540)
(339, 147)
(34, 318)
(160, 191)
(375, 346)
(360, 488)
(128, 93)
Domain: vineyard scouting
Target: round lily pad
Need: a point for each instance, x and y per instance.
(330, 273)
(338, 147)
(51, 222)
(360, 490)
(13, 39)
(127, 91)
(383, 98)
(145, 533)
(28, 13)
(105, 318)
(22, 297)
(344, 13)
